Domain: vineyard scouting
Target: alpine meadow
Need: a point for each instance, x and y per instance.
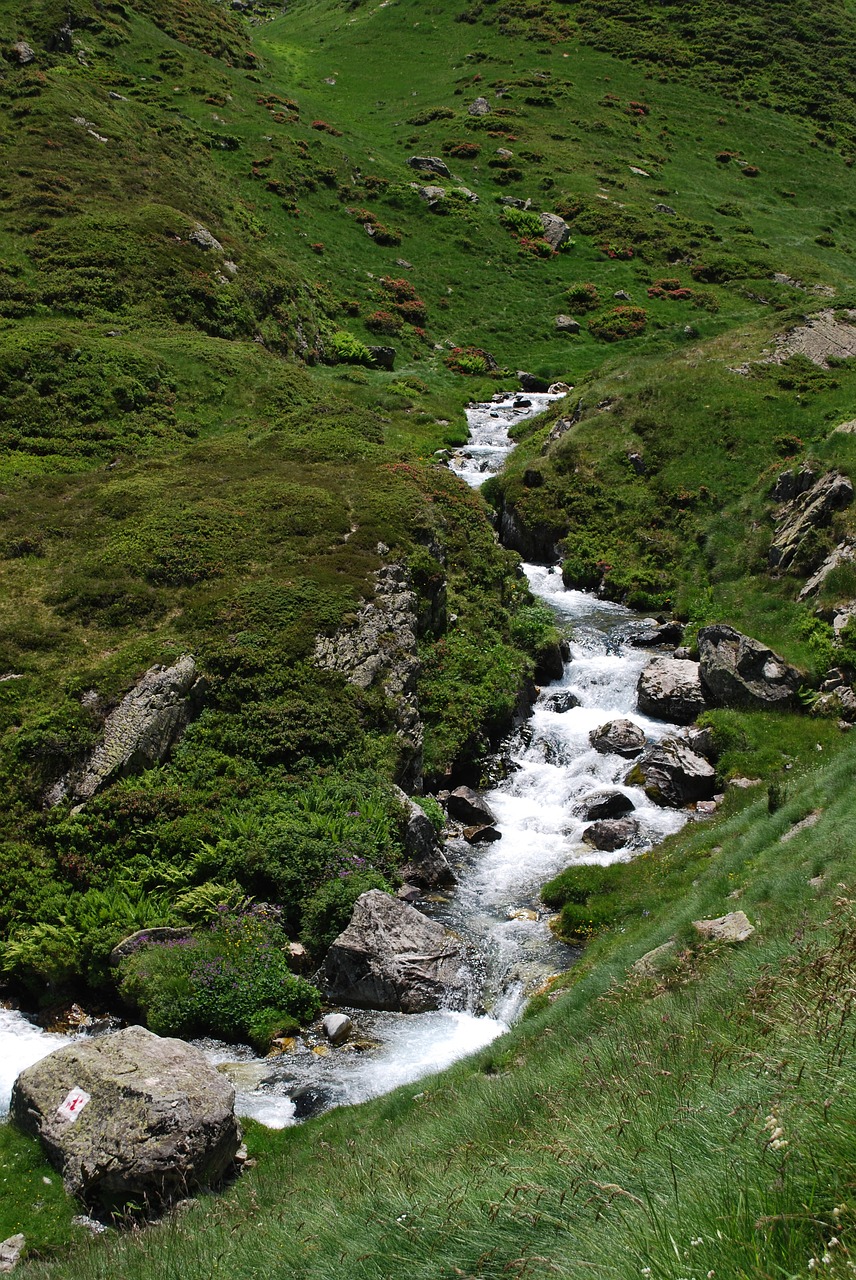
(427, 639)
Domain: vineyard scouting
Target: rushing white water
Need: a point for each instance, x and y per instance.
(21, 1044)
(485, 452)
(496, 905)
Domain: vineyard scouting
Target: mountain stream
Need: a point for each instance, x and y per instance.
(549, 765)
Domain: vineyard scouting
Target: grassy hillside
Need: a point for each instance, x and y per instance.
(206, 219)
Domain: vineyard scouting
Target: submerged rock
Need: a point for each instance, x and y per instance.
(562, 701)
(129, 1116)
(737, 671)
(670, 689)
(612, 834)
(673, 775)
(392, 957)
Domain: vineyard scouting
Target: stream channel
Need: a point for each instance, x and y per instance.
(495, 907)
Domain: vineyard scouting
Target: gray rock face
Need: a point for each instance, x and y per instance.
(392, 957)
(810, 510)
(379, 650)
(129, 1116)
(468, 806)
(426, 864)
(556, 231)
(480, 107)
(612, 834)
(673, 775)
(431, 194)
(603, 804)
(844, 553)
(10, 1252)
(567, 324)
(734, 927)
(737, 671)
(140, 732)
(430, 164)
(466, 193)
(203, 239)
(530, 381)
(670, 689)
(23, 52)
(618, 737)
(665, 633)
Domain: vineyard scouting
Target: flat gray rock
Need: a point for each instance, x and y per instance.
(734, 927)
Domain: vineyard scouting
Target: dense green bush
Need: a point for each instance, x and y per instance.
(230, 981)
(346, 349)
(583, 296)
(327, 912)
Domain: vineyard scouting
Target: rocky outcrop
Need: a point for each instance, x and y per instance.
(734, 927)
(603, 804)
(426, 864)
(384, 357)
(844, 553)
(431, 195)
(567, 324)
(379, 651)
(11, 1250)
(670, 689)
(618, 737)
(392, 957)
(810, 510)
(467, 805)
(555, 230)
(672, 775)
(430, 164)
(612, 834)
(479, 107)
(737, 671)
(129, 1116)
(140, 732)
(535, 542)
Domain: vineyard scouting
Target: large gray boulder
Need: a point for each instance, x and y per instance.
(392, 957)
(672, 775)
(670, 689)
(807, 511)
(469, 806)
(129, 1117)
(618, 737)
(737, 671)
(430, 164)
(140, 732)
(603, 804)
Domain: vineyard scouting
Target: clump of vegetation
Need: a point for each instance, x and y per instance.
(348, 349)
(384, 322)
(232, 981)
(583, 297)
(618, 323)
(472, 361)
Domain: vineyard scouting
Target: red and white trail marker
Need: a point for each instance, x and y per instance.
(70, 1108)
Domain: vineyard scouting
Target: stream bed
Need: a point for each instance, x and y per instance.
(495, 907)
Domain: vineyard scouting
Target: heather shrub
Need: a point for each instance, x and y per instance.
(618, 323)
(583, 296)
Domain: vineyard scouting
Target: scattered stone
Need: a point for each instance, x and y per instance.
(846, 428)
(466, 193)
(117, 97)
(618, 737)
(707, 807)
(641, 173)
(816, 882)
(482, 835)
(337, 1027)
(651, 964)
(430, 164)
(203, 239)
(562, 701)
(555, 230)
(140, 732)
(657, 633)
(559, 388)
(637, 462)
(90, 1224)
(567, 324)
(521, 913)
(529, 382)
(612, 834)
(431, 195)
(808, 511)
(603, 804)
(737, 671)
(504, 153)
(156, 936)
(621, 295)
(309, 1101)
(665, 208)
(672, 775)
(23, 52)
(670, 689)
(513, 202)
(409, 893)
(10, 1252)
(384, 357)
(129, 1116)
(839, 702)
(744, 784)
(734, 927)
(480, 107)
(298, 955)
(810, 820)
(467, 805)
(392, 957)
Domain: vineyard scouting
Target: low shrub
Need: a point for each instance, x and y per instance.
(588, 899)
(583, 296)
(384, 322)
(329, 909)
(428, 114)
(461, 150)
(231, 981)
(522, 222)
(472, 361)
(619, 323)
